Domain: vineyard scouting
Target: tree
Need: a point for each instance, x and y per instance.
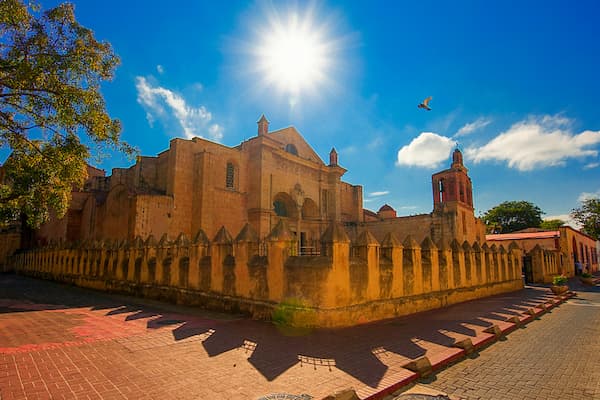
(551, 224)
(512, 216)
(588, 215)
(51, 68)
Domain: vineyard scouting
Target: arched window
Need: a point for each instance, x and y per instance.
(284, 206)
(310, 210)
(230, 176)
(469, 195)
(280, 209)
(290, 148)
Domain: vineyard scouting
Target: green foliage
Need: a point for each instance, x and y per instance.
(586, 275)
(552, 224)
(50, 73)
(588, 215)
(512, 216)
(559, 280)
(285, 311)
(293, 312)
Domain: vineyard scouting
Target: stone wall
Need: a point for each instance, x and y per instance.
(347, 283)
(419, 225)
(545, 264)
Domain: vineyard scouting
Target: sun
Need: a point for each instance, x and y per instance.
(293, 54)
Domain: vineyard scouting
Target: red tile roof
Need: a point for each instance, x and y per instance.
(523, 235)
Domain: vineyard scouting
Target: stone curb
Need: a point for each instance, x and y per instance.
(422, 367)
(392, 388)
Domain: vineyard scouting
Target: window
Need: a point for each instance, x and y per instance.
(310, 209)
(280, 209)
(229, 179)
(469, 195)
(290, 148)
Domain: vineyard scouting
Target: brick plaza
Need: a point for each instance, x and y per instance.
(59, 342)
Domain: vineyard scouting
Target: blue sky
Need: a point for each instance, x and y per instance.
(514, 84)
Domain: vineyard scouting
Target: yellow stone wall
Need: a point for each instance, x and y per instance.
(348, 283)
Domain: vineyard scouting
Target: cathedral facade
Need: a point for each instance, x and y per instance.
(276, 175)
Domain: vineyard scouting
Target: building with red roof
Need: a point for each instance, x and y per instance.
(575, 251)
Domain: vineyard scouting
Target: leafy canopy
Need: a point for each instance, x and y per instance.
(50, 73)
(588, 215)
(551, 224)
(512, 216)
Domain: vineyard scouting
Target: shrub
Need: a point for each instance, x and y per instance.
(559, 280)
(586, 275)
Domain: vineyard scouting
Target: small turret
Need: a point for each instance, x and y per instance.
(263, 125)
(333, 157)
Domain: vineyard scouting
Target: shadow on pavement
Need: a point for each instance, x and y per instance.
(364, 352)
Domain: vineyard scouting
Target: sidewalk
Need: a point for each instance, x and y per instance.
(58, 341)
(556, 357)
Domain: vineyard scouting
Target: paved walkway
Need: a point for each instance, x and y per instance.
(62, 342)
(557, 357)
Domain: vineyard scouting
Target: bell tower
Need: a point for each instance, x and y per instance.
(453, 186)
(453, 212)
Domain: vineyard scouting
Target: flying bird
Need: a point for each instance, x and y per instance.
(425, 104)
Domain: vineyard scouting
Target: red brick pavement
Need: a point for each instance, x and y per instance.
(60, 342)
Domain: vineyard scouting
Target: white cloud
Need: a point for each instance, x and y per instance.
(427, 150)
(407, 208)
(164, 104)
(591, 165)
(587, 195)
(150, 119)
(375, 143)
(536, 143)
(556, 121)
(471, 127)
(382, 193)
(350, 150)
(566, 218)
(160, 69)
(215, 131)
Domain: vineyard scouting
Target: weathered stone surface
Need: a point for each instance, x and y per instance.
(347, 394)
(335, 233)
(421, 365)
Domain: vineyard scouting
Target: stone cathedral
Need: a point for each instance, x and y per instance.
(198, 184)
(268, 229)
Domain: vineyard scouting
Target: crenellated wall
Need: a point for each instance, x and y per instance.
(347, 284)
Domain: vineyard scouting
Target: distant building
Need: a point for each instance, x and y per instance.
(452, 218)
(573, 249)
